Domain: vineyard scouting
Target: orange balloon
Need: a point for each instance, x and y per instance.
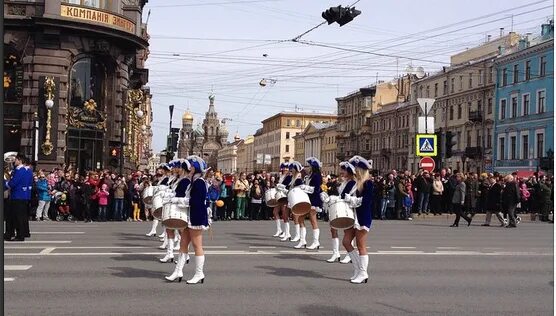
(219, 203)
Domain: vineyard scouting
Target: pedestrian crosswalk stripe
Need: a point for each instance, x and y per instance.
(39, 242)
(9, 279)
(16, 267)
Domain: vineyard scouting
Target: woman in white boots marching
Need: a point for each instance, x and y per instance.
(171, 238)
(160, 177)
(182, 202)
(362, 202)
(283, 181)
(295, 169)
(347, 173)
(312, 186)
(198, 217)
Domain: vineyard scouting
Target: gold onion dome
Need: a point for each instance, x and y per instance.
(187, 116)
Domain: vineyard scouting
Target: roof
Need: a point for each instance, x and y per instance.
(293, 113)
(321, 125)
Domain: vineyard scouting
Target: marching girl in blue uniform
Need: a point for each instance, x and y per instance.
(362, 202)
(284, 179)
(296, 181)
(347, 174)
(312, 186)
(182, 201)
(160, 173)
(171, 238)
(198, 216)
(165, 177)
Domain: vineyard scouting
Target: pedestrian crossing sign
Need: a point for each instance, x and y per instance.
(426, 145)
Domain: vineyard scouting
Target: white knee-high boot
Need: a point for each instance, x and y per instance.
(316, 242)
(355, 261)
(169, 257)
(362, 275)
(302, 240)
(297, 233)
(177, 240)
(153, 228)
(199, 276)
(282, 230)
(165, 243)
(178, 271)
(347, 258)
(163, 235)
(335, 251)
(286, 232)
(278, 228)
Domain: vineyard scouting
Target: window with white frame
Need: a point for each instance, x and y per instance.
(540, 144)
(541, 98)
(502, 115)
(542, 70)
(513, 147)
(513, 112)
(516, 73)
(501, 148)
(524, 146)
(525, 103)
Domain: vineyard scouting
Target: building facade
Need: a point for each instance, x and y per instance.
(318, 140)
(276, 139)
(464, 96)
(245, 158)
(525, 104)
(354, 112)
(204, 140)
(75, 77)
(228, 156)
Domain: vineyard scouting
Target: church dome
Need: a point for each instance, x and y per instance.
(237, 137)
(187, 116)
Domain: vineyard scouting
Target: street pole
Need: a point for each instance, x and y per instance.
(169, 149)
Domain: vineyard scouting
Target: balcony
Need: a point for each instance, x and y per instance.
(475, 116)
(474, 152)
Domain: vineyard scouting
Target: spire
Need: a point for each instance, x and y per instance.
(211, 105)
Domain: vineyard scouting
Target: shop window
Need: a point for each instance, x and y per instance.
(99, 4)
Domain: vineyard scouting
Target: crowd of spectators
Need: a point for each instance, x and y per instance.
(108, 196)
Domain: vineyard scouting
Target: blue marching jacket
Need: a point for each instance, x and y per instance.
(315, 182)
(182, 187)
(198, 216)
(365, 211)
(21, 184)
(347, 189)
(287, 181)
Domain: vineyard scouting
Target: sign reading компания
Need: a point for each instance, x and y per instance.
(97, 16)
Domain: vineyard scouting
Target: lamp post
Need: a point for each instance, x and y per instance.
(35, 136)
(169, 149)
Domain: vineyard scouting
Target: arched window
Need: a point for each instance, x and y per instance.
(211, 130)
(87, 77)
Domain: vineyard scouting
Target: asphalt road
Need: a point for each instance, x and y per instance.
(422, 267)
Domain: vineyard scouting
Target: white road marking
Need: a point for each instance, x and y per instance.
(46, 251)
(400, 252)
(58, 233)
(16, 267)
(448, 247)
(403, 247)
(39, 242)
(9, 279)
(270, 252)
(262, 247)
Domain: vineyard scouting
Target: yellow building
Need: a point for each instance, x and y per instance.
(245, 157)
(318, 140)
(274, 143)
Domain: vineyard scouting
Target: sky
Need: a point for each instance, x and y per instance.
(226, 47)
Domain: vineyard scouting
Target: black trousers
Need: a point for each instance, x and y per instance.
(17, 220)
(458, 209)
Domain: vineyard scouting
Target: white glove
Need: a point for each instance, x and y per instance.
(281, 187)
(355, 202)
(181, 201)
(166, 200)
(324, 197)
(169, 194)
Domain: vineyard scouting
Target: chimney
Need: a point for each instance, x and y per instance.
(547, 29)
(501, 31)
(489, 37)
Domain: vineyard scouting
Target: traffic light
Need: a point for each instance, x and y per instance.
(450, 142)
(347, 15)
(332, 15)
(340, 15)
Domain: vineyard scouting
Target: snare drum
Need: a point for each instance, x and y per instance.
(174, 217)
(148, 194)
(298, 201)
(281, 197)
(340, 214)
(270, 199)
(157, 206)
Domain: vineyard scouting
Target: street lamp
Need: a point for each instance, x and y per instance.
(49, 87)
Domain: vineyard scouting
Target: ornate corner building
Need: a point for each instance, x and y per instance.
(74, 83)
(204, 140)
